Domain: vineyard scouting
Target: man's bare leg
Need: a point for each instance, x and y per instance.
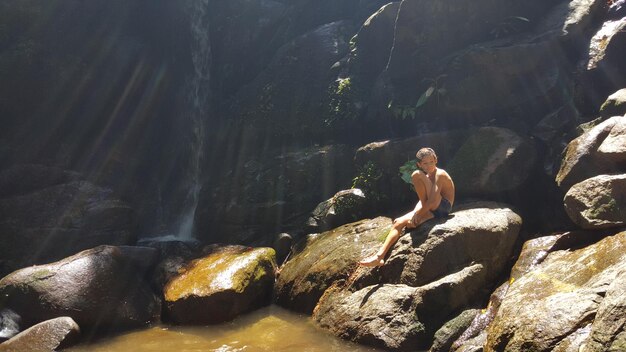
(429, 196)
(399, 225)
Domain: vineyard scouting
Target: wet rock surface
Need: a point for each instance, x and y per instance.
(228, 281)
(47, 336)
(326, 258)
(564, 294)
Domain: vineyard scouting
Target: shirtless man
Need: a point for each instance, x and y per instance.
(435, 191)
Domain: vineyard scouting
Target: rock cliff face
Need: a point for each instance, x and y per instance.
(95, 133)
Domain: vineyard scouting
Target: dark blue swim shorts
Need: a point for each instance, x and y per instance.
(443, 209)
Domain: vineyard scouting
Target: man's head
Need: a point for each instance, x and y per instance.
(426, 159)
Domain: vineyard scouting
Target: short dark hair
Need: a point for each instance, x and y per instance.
(424, 152)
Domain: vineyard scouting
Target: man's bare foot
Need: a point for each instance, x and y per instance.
(372, 261)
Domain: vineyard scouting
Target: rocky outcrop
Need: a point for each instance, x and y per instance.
(103, 289)
(227, 282)
(325, 259)
(598, 202)
(606, 51)
(551, 307)
(613, 148)
(47, 336)
(615, 104)
(430, 274)
(344, 207)
(58, 214)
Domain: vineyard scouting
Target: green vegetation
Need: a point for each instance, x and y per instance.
(342, 101)
(406, 170)
(435, 89)
(367, 180)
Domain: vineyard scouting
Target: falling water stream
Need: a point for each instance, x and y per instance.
(198, 94)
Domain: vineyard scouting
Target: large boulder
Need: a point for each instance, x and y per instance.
(439, 269)
(549, 307)
(491, 161)
(47, 336)
(326, 258)
(57, 215)
(613, 148)
(229, 281)
(598, 202)
(103, 289)
(582, 159)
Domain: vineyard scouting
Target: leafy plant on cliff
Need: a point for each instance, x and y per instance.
(435, 89)
(342, 101)
(367, 180)
(407, 169)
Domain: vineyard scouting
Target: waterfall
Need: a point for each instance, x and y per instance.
(198, 92)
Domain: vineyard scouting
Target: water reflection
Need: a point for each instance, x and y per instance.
(268, 329)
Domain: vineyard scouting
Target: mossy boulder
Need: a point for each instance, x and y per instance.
(431, 273)
(324, 259)
(103, 289)
(491, 161)
(549, 306)
(598, 202)
(227, 282)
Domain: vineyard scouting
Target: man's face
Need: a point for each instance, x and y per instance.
(428, 164)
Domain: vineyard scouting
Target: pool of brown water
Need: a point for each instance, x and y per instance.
(268, 329)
